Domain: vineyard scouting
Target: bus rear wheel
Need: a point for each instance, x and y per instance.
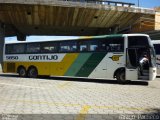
(121, 77)
(22, 72)
(32, 72)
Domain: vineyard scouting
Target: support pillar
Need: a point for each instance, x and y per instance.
(157, 21)
(2, 38)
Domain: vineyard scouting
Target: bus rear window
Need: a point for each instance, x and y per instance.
(138, 41)
(15, 48)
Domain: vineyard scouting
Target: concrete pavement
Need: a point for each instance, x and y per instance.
(78, 99)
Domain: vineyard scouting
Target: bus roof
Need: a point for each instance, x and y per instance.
(81, 37)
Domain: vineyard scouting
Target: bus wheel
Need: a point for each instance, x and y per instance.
(32, 72)
(22, 72)
(121, 77)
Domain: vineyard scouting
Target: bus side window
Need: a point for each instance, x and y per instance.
(33, 48)
(115, 44)
(49, 47)
(9, 49)
(103, 46)
(93, 46)
(115, 47)
(83, 46)
(69, 46)
(73, 46)
(19, 48)
(112, 44)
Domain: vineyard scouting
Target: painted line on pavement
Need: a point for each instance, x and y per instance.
(22, 86)
(42, 102)
(65, 84)
(85, 107)
(83, 112)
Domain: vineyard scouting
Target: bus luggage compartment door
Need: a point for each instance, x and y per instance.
(131, 74)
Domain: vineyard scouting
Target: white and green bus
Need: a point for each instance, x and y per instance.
(156, 44)
(102, 57)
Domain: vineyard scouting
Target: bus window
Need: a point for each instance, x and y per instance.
(157, 48)
(9, 49)
(33, 48)
(70, 46)
(12, 49)
(83, 46)
(49, 47)
(115, 44)
(93, 46)
(134, 41)
(103, 46)
(115, 48)
(112, 44)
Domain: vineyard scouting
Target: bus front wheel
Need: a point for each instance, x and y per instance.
(32, 72)
(22, 72)
(121, 77)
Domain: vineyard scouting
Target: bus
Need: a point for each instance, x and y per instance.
(156, 44)
(97, 57)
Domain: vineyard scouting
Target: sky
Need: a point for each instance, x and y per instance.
(142, 3)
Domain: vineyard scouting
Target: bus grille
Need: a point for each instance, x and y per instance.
(10, 67)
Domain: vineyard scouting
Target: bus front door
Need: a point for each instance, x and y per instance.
(131, 64)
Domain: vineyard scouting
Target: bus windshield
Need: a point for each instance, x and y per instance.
(138, 41)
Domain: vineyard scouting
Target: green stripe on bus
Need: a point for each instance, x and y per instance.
(108, 36)
(78, 63)
(91, 64)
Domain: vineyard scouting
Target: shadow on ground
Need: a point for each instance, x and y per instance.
(106, 81)
(153, 115)
(158, 77)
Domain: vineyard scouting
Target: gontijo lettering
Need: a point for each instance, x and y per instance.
(43, 57)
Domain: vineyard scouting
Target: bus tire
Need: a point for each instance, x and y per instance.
(121, 77)
(32, 72)
(22, 71)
